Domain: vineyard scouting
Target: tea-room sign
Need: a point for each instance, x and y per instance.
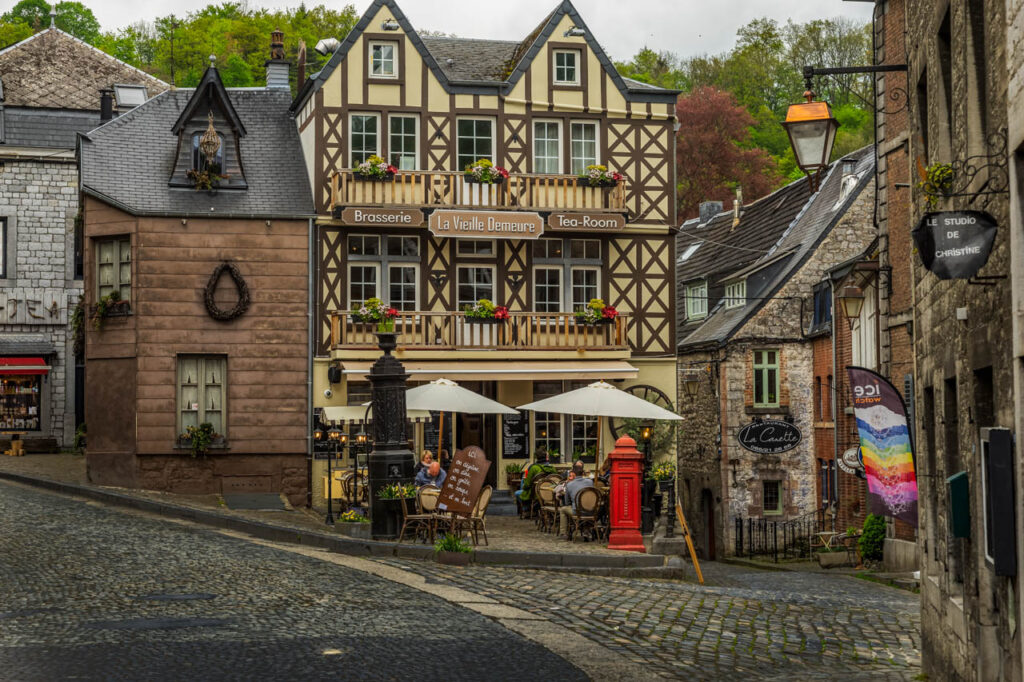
(955, 244)
(587, 222)
(769, 436)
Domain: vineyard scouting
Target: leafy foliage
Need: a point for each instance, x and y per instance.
(872, 541)
(200, 438)
(452, 543)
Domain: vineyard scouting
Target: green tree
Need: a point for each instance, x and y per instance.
(78, 20)
(33, 13)
(663, 69)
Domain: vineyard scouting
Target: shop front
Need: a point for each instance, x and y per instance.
(23, 397)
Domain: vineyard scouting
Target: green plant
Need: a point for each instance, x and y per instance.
(596, 311)
(598, 176)
(104, 306)
(78, 327)
(452, 543)
(663, 471)
(375, 168)
(351, 516)
(937, 182)
(207, 178)
(396, 491)
(199, 438)
(513, 468)
(485, 172)
(484, 309)
(79, 441)
(375, 310)
(872, 542)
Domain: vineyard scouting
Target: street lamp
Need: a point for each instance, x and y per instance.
(812, 132)
(691, 384)
(334, 435)
(647, 491)
(852, 300)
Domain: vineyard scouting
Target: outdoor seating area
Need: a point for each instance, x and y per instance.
(586, 520)
(428, 521)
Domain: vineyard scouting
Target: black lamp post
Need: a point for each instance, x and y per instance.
(361, 447)
(334, 435)
(647, 490)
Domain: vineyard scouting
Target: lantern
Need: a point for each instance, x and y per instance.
(812, 132)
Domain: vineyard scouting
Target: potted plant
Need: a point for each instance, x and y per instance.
(587, 455)
(110, 305)
(376, 169)
(596, 312)
(598, 176)
(936, 183)
(485, 312)
(664, 473)
(513, 474)
(373, 310)
(200, 438)
(453, 551)
(394, 495)
(207, 178)
(483, 172)
(353, 524)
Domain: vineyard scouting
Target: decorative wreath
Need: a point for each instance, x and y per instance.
(243, 293)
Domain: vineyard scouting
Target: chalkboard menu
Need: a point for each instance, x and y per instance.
(515, 436)
(431, 435)
(465, 478)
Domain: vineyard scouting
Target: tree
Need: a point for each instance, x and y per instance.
(663, 69)
(33, 13)
(714, 153)
(78, 20)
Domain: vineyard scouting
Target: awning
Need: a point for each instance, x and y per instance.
(497, 370)
(354, 414)
(23, 366)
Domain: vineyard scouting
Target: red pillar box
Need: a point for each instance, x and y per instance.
(624, 497)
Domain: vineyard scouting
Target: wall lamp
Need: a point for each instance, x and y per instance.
(852, 300)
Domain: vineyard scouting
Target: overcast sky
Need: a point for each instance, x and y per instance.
(686, 27)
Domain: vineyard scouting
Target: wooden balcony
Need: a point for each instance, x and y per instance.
(449, 189)
(454, 331)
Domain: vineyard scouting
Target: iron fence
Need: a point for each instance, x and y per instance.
(789, 539)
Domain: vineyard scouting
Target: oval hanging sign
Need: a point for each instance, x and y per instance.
(769, 436)
(955, 244)
(851, 462)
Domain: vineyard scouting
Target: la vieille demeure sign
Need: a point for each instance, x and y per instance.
(482, 223)
(955, 244)
(486, 224)
(769, 436)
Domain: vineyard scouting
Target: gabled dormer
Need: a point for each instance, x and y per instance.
(209, 129)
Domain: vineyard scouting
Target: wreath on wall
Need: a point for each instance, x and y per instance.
(215, 311)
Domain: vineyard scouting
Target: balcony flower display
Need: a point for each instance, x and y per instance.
(598, 176)
(596, 312)
(484, 172)
(374, 310)
(375, 168)
(485, 311)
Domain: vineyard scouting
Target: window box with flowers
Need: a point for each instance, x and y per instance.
(201, 439)
(485, 312)
(375, 169)
(483, 172)
(664, 473)
(596, 312)
(598, 176)
(374, 311)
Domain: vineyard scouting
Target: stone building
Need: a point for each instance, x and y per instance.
(746, 282)
(50, 89)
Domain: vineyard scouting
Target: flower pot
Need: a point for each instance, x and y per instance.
(482, 320)
(454, 558)
(387, 341)
(665, 486)
(354, 529)
(513, 480)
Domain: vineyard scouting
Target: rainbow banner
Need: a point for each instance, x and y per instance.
(885, 445)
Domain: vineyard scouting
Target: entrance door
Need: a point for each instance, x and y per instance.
(708, 511)
(480, 429)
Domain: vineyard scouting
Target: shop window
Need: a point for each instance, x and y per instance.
(20, 402)
(474, 247)
(547, 147)
(766, 378)
(584, 436)
(475, 283)
(567, 70)
(583, 146)
(736, 294)
(697, 301)
(202, 391)
(547, 425)
(402, 144)
(771, 501)
(383, 63)
(475, 141)
(364, 137)
(114, 267)
(547, 289)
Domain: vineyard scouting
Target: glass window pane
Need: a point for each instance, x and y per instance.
(402, 287)
(547, 290)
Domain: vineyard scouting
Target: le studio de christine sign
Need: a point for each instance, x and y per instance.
(769, 436)
(486, 224)
(955, 244)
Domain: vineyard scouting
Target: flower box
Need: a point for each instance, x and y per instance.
(355, 529)
(387, 177)
(592, 323)
(483, 320)
(603, 184)
(454, 558)
(473, 181)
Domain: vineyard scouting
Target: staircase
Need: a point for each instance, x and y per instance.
(503, 503)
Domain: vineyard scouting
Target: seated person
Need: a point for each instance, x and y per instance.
(445, 459)
(605, 475)
(572, 489)
(431, 475)
(426, 457)
(537, 469)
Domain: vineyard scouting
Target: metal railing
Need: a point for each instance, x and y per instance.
(789, 539)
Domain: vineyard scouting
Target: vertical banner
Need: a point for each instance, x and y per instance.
(885, 445)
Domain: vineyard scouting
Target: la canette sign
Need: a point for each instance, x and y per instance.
(955, 244)
(769, 436)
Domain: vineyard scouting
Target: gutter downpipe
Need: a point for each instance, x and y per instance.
(309, 366)
(834, 396)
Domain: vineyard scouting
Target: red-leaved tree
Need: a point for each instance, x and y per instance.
(712, 154)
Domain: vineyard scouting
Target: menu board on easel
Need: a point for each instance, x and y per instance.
(515, 436)
(465, 479)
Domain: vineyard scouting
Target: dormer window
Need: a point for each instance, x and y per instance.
(567, 67)
(736, 294)
(383, 63)
(697, 300)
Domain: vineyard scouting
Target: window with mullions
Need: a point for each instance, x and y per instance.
(736, 294)
(114, 267)
(475, 283)
(475, 140)
(201, 391)
(585, 286)
(547, 289)
(822, 305)
(771, 501)
(567, 67)
(697, 301)
(583, 146)
(584, 436)
(382, 60)
(362, 282)
(385, 268)
(474, 247)
(402, 143)
(547, 147)
(766, 378)
(578, 278)
(402, 286)
(364, 138)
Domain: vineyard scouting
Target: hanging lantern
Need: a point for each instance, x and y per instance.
(209, 143)
(812, 132)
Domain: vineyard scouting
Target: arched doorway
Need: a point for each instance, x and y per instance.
(707, 506)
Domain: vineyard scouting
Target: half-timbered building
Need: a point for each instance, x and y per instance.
(541, 242)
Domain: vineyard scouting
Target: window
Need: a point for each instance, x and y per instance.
(363, 245)
(362, 283)
(574, 280)
(547, 425)
(822, 305)
(474, 247)
(391, 273)
(402, 286)
(823, 482)
(3, 247)
(199, 159)
(585, 249)
(819, 407)
(697, 300)
(402, 143)
(766, 378)
(382, 60)
(475, 283)
(584, 286)
(584, 435)
(583, 146)
(201, 391)
(114, 267)
(547, 289)
(364, 139)
(547, 248)
(547, 146)
(567, 67)
(826, 409)
(736, 294)
(403, 247)
(772, 497)
(475, 141)
(690, 250)
(864, 339)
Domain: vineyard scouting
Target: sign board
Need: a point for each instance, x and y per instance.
(397, 217)
(465, 478)
(769, 436)
(955, 244)
(851, 462)
(432, 435)
(515, 436)
(34, 306)
(587, 222)
(326, 454)
(486, 224)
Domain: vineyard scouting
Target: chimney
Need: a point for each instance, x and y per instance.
(106, 104)
(300, 79)
(277, 66)
(737, 207)
(708, 210)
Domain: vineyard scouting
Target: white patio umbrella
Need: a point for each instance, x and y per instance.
(601, 399)
(444, 395)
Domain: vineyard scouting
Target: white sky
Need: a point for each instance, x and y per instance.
(686, 27)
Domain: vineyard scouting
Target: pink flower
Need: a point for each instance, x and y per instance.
(501, 313)
(608, 312)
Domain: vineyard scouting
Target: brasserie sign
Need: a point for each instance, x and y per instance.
(769, 436)
(486, 224)
(955, 244)
(392, 217)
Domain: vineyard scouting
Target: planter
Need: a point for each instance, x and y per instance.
(513, 480)
(603, 184)
(387, 341)
(387, 177)
(665, 486)
(454, 558)
(586, 459)
(595, 323)
(473, 181)
(394, 513)
(355, 529)
(482, 320)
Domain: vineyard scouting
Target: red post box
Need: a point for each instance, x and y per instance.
(624, 497)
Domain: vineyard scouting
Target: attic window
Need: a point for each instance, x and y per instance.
(697, 300)
(382, 60)
(690, 250)
(129, 96)
(736, 294)
(567, 71)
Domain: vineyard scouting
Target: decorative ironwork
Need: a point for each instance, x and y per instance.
(965, 172)
(209, 143)
(215, 311)
(895, 95)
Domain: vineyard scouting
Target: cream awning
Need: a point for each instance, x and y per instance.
(497, 370)
(354, 414)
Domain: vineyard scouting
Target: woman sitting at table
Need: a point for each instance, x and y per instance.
(426, 457)
(431, 475)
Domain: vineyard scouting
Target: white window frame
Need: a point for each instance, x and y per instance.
(459, 302)
(416, 283)
(351, 136)
(494, 145)
(558, 147)
(561, 288)
(394, 58)
(697, 300)
(376, 265)
(864, 339)
(577, 57)
(571, 293)
(415, 140)
(736, 294)
(597, 147)
(461, 243)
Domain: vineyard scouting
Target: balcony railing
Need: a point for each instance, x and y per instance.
(449, 189)
(455, 331)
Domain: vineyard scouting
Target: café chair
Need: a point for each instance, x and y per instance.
(425, 521)
(587, 513)
(548, 513)
(474, 523)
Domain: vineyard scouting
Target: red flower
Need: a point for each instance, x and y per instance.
(501, 313)
(616, 176)
(608, 312)
(392, 312)
(501, 171)
(392, 169)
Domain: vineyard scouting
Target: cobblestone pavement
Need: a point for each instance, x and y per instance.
(753, 625)
(91, 593)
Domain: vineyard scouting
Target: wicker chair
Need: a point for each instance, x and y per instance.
(475, 521)
(424, 521)
(547, 518)
(587, 513)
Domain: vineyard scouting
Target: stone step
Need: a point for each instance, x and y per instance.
(502, 504)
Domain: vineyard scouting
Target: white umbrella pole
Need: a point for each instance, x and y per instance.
(600, 449)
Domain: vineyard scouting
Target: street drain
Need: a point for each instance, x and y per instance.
(177, 597)
(160, 623)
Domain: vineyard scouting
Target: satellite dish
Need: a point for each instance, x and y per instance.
(327, 46)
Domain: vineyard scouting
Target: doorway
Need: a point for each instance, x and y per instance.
(480, 429)
(707, 505)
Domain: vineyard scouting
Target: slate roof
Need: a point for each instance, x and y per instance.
(128, 161)
(26, 344)
(55, 70)
(780, 230)
(49, 128)
(475, 60)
